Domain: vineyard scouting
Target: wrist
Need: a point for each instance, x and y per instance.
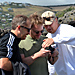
(35, 56)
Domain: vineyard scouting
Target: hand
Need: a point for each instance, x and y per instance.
(53, 57)
(55, 53)
(6, 64)
(43, 52)
(47, 42)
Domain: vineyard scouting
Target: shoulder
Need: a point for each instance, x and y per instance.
(6, 36)
(66, 27)
(49, 35)
(4, 40)
(3, 32)
(22, 42)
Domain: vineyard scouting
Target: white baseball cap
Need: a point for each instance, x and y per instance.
(49, 17)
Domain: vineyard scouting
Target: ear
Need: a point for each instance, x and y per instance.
(18, 26)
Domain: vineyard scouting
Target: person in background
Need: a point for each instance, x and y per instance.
(31, 50)
(64, 36)
(9, 50)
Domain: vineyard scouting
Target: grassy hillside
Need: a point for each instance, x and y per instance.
(61, 8)
(32, 9)
(27, 10)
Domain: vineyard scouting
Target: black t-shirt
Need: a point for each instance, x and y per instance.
(9, 47)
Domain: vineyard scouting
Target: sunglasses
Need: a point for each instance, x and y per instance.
(28, 29)
(37, 32)
(48, 18)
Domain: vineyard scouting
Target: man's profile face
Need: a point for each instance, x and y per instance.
(25, 30)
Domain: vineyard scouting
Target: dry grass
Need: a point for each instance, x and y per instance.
(32, 9)
(61, 8)
(29, 10)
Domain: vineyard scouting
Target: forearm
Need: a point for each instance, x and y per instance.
(6, 64)
(29, 60)
(66, 39)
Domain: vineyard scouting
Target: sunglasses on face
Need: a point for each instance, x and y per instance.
(48, 18)
(28, 29)
(37, 32)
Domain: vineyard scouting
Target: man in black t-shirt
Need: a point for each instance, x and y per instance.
(9, 50)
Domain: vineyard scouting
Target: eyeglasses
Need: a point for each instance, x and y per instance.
(28, 29)
(37, 32)
(48, 18)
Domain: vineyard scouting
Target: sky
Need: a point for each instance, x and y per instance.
(43, 2)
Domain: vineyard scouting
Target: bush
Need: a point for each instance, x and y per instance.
(61, 13)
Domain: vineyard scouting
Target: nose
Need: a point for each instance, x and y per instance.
(48, 26)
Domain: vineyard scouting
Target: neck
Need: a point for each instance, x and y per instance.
(14, 31)
(58, 24)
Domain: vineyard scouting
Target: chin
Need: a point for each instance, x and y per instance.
(37, 37)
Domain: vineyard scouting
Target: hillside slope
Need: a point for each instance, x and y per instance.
(29, 10)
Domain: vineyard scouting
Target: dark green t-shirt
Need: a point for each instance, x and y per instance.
(29, 47)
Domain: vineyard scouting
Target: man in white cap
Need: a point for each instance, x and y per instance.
(64, 36)
(50, 66)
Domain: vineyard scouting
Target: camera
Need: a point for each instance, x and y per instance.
(51, 49)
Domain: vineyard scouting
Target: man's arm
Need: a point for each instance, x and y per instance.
(29, 60)
(6, 64)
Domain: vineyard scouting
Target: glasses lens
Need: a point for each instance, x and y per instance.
(37, 32)
(28, 30)
(48, 19)
(42, 31)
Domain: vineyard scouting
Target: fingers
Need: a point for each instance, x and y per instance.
(44, 53)
(44, 40)
(47, 42)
